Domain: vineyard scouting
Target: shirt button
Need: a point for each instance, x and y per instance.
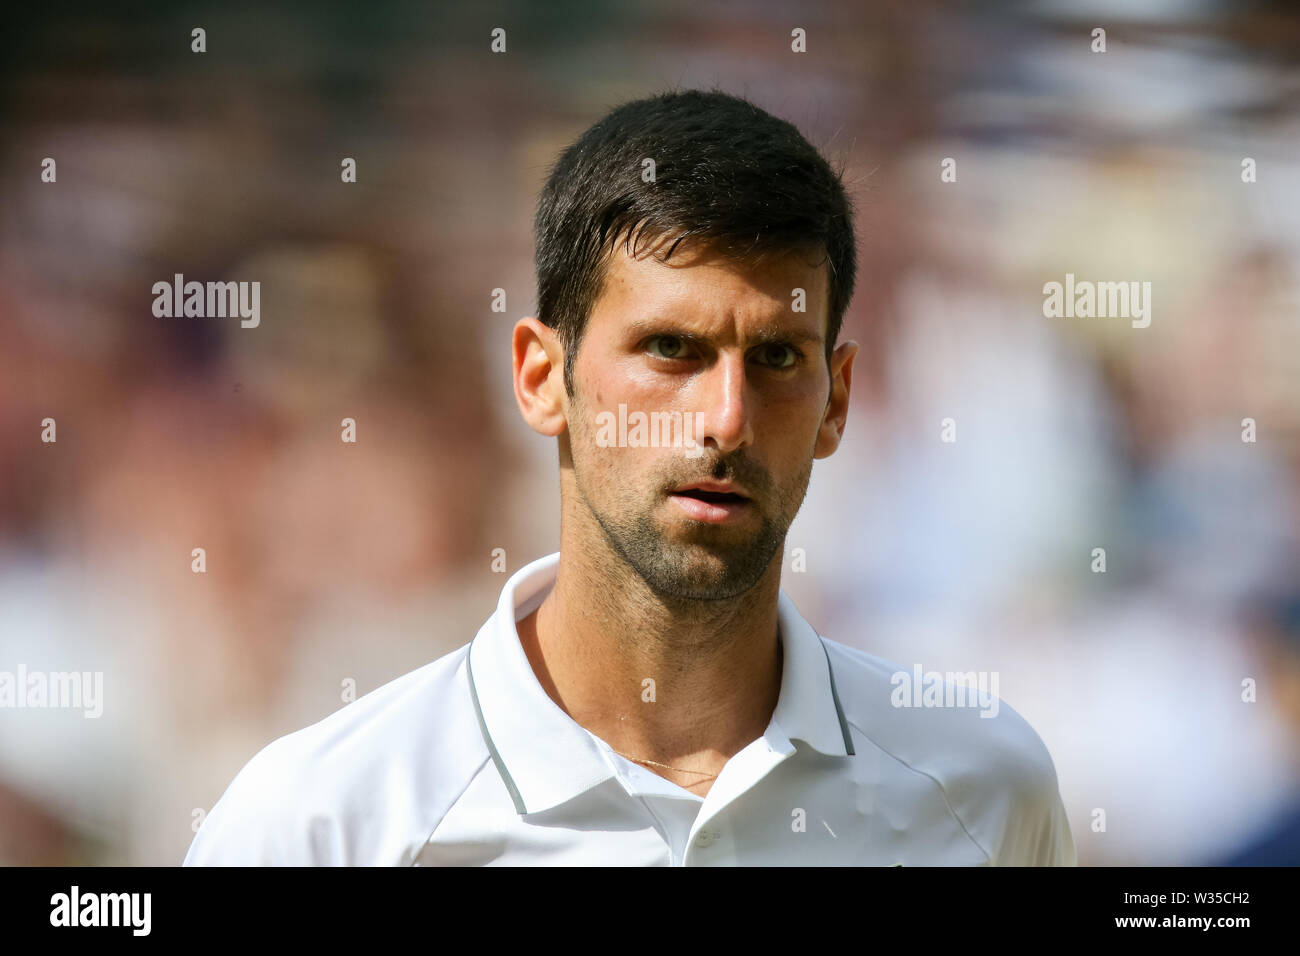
(706, 837)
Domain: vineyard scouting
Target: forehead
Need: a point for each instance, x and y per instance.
(700, 284)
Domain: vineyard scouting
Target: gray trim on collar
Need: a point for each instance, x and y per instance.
(835, 696)
(487, 738)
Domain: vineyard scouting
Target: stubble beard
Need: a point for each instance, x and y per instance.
(709, 562)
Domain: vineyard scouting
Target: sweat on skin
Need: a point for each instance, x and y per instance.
(719, 340)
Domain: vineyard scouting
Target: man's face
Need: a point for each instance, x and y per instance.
(719, 343)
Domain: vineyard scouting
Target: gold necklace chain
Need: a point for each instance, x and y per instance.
(664, 765)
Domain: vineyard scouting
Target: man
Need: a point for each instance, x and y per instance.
(648, 695)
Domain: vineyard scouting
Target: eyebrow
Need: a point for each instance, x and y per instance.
(765, 334)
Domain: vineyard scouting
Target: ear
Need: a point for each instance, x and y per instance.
(837, 409)
(539, 376)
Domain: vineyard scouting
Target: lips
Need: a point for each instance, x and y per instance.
(710, 501)
(714, 491)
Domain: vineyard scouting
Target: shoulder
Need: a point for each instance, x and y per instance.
(363, 786)
(991, 766)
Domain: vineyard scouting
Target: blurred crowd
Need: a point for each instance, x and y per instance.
(1167, 687)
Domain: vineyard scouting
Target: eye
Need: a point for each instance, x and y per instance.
(777, 355)
(667, 346)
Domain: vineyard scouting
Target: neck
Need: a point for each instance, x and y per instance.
(602, 635)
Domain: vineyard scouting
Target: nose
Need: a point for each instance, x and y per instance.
(724, 407)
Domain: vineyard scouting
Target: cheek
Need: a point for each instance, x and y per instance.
(611, 470)
(792, 421)
(791, 433)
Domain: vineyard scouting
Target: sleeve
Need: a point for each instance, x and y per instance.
(1055, 845)
(1037, 828)
(255, 822)
(1002, 785)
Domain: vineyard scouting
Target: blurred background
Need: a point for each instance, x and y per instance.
(329, 562)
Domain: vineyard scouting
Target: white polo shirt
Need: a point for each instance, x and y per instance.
(467, 761)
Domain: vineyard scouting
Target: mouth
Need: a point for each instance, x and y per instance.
(711, 503)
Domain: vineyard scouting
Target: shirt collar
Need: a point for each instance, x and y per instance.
(546, 758)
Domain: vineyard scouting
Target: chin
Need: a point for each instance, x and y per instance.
(698, 572)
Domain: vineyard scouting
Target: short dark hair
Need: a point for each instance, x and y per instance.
(726, 173)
